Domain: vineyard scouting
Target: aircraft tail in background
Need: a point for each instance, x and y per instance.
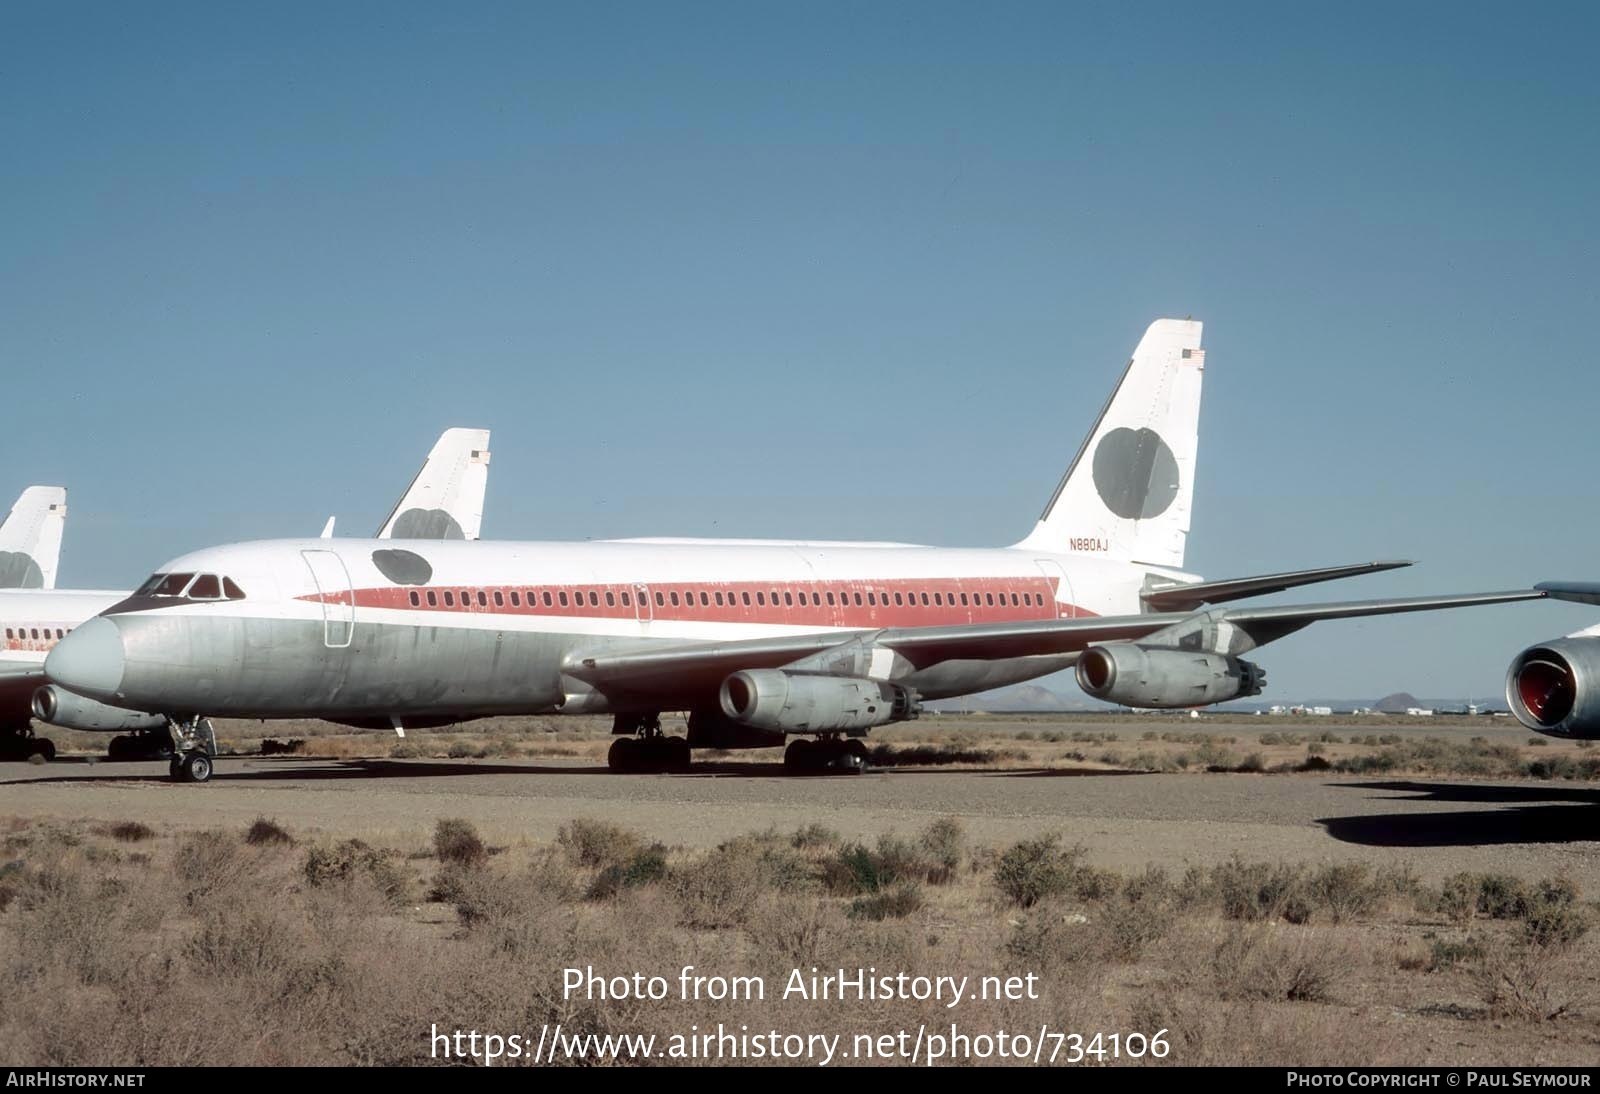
(30, 539)
(445, 500)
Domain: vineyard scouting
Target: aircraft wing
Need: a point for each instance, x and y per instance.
(898, 651)
(1579, 592)
(1185, 598)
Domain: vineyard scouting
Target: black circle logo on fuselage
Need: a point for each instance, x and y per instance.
(1135, 473)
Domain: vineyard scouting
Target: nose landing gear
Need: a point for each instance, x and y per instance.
(194, 747)
(648, 750)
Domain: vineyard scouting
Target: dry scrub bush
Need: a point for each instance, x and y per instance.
(263, 832)
(354, 860)
(1524, 982)
(457, 842)
(590, 842)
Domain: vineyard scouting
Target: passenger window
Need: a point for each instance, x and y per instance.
(36, 632)
(830, 598)
(1013, 600)
(627, 601)
(858, 600)
(230, 590)
(746, 597)
(761, 598)
(449, 599)
(563, 598)
(897, 600)
(547, 598)
(963, 600)
(516, 599)
(674, 598)
(660, 601)
(206, 587)
(416, 601)
(788, 598)
(816, 597)
(433, 600)
(611, 599)
(483, 599)
(594, 599)
(719, 600)
(705, 601)
(872, 598)
(924, 600)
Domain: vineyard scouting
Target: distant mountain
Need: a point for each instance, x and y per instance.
(1032, 698)
(1398, 703)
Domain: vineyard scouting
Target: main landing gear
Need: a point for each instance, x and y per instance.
(648, 749)
(847, 756)
(125, 747)
(19, 743)
(194, 747)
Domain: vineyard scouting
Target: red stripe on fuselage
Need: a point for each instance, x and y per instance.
(903, 602)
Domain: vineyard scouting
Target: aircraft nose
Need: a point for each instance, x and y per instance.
(89, 661)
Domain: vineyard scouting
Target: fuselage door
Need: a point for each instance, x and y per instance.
(338, 599)
(1066, 607)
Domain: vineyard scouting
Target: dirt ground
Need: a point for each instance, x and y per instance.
(1112, 783)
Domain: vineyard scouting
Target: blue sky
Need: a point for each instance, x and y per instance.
(818, 270)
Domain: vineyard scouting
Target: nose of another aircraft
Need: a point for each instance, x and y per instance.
(88, 661)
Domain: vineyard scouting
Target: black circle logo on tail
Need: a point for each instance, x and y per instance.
(19, 571)
(1135, 473)
(427, 524)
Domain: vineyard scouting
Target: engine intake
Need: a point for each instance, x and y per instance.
(68, 710)
(1158, 678)
(792, 702)
(1554, 687)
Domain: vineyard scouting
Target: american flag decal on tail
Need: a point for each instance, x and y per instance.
(1195, 357)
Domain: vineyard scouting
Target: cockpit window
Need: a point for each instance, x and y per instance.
(150, 585)
(206, 587)
(173, 585)
(233, 591)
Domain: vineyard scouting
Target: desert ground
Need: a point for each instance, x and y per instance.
(1266, 890)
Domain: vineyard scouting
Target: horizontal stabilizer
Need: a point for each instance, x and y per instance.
(1186, 598)
(1579, 592)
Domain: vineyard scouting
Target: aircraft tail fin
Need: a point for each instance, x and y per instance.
(445, 500)
(1129, 490)
(30, 539)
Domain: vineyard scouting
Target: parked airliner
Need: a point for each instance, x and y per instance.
(759, 641)
(443, 501)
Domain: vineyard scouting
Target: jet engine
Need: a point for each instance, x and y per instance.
(1161, 678)
(792, 702)
(1554, 687)
(62, 708)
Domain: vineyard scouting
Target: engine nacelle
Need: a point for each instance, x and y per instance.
(63, 708)
(1554, 687)
(1154, 677)
(792, 702)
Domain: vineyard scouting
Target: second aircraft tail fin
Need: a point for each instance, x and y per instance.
(30, 539)
(445, 500)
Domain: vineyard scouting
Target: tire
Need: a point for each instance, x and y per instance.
(622, 756)
(195, 768)
(856, 747)
(799, 756)
(120, 748)
(44, 746)
(679, 755)
(174, 767)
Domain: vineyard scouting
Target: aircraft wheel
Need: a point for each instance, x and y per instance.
(120, 748)
(43, 746)
(679, 755)
(800, 755)
(621, 757)
(856, 747)
(175, 767)
(195, 767)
